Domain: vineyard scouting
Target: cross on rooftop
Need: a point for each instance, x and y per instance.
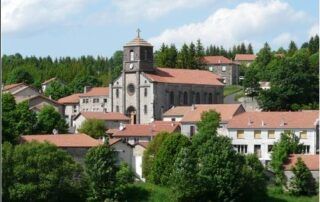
(138, 31)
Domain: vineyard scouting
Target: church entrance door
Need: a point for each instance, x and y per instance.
(131, 112)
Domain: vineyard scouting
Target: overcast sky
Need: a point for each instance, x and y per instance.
(100, 27)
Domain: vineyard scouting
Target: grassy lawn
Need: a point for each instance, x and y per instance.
(228, 90)
(148, 192)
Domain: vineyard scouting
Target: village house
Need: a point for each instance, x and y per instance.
(245, 59)
(224, 67)
(144, 92)
(189, 116)
(47, 83)
(111, 119)
(134, 133)
(256, 132)
(311, 161)
(37, 102)
(76, 145)
(71, 107)
(95, 99)
(20, 90)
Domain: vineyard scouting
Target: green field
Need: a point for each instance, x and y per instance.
(228, 90)
(148, 192)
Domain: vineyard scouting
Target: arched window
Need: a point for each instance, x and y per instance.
(198, 98)
(210, 98)
(171, 98)
(131, 55)
(205, 98)
(117, 93)
(185, 98)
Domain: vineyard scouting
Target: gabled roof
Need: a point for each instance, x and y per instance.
(71, 99)
(311, 161)
(184, 76)
(226, 111)
(10, 86)
(49, 80)
(273, 120)
(113, 141)
(38, 96)
(245, 57)
(96, 91)
(177, 111)
(145, 130)
(112, 116)
(64, 140)
(216, 60)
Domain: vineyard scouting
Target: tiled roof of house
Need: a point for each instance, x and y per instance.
(245, 57)
(226, 111)
(216, 60)
(97, 91)
(140, 130)
(38, 96)
(302, 119)
(104, 116)
(49, 80)
(177, 111)
(112, 141)
(71, 99)
(184, 76)
(311, 161)
(64, 140)
(10, 86)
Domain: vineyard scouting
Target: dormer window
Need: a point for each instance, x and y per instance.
(131, 55)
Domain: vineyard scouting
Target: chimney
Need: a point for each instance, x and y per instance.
(262, 123)
(54, 131)
(86, 89)
(282, 123)
(193, 107)
(249, 122)
(121, 126)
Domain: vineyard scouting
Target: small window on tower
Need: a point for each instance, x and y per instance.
(131, 55)
(145, 54)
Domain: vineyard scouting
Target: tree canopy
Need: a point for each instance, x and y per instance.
(49, 119)
(93, 127)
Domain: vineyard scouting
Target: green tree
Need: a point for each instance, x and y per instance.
(79, 82)
(49, 119)
(250, 49)
(56, 90)
(288, 144)
(302, 183)
(26, 119)
(101, 170)
(314, 44)
(150, 153)
(209, 123)
(20, 75)
(8, 118)
(7, 170)
(183, 57)
(292, 48)
(40, 172)
(164, 160)
(183, 182)
(124, 177)
(251, 81)
(192, 56)
(116, 64)
(93, 127)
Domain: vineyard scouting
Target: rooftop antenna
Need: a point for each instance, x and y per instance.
(138, 31)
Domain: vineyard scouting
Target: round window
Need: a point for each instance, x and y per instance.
(130, 89)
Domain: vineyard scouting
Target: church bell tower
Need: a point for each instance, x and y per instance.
(138, 55)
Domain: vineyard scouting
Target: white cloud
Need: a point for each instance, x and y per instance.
(152, 9)
(18, 15)
(283, 40)
(246, 22)
(314, 30)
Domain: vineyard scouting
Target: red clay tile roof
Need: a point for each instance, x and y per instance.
(64, 140)
(49, 80)
(105, 116)
(184, 76)
(311, 161)
(97, 91)
(112, 141)
(245, 57)
(177, 111)
(216, 60)
(8, 87)
(71, 99)
(303, 119)
(147, 130)
(227, 111)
